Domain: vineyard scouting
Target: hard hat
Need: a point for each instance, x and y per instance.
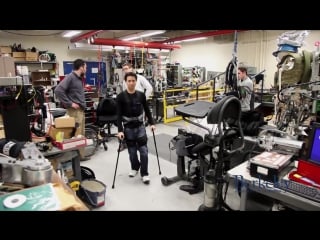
(285, 48)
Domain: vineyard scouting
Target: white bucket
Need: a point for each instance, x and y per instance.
(93, 192)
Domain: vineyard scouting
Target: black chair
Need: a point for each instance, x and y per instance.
(106, 116)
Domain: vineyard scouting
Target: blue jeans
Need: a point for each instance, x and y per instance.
(131, 136)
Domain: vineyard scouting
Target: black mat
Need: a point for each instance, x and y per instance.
(162, 141)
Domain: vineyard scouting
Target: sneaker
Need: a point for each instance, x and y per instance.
(133, 173)
(146, 179)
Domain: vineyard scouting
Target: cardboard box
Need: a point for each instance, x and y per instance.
(71, 143)
(65, 122)
(19, 54)
(67, 132)
(31, 56)
(19, 59)
(7, 68)
(5, 49)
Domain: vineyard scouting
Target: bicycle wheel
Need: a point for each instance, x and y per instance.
(92, 142)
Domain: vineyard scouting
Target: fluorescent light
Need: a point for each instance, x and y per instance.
(84, 46)
(71, 33)
(152, 33)
(130, 38)
(158, 50)
(194, 39)
(142, 35)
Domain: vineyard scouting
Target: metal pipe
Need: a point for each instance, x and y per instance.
(85, 35)
(138, 44)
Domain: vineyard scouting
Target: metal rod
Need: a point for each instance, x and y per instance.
(155, 145)
(115, 171)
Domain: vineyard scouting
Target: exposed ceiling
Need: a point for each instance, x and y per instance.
(109, 34)
(116, 34)
(167, 40)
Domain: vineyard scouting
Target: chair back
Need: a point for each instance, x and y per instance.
(107, 107)
(226, 114)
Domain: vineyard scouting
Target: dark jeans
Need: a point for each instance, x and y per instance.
(131, 136)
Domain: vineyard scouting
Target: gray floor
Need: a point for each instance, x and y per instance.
(130, 194)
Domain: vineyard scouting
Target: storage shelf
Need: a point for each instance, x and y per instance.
(39, 72)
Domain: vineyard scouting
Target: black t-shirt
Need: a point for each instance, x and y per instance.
(132, 106)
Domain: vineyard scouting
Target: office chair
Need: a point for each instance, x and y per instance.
(106, 115)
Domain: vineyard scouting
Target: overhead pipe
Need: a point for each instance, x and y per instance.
(198, 35)
(138, 44)
(85, 36)
(157, 45)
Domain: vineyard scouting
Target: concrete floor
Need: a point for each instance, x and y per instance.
(130, 194)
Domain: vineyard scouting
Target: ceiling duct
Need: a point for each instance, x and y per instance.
(200, 35)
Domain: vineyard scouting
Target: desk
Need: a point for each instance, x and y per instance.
(59, 155)
(249, 183)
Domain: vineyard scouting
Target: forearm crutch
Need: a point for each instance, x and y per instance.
(115, 171)
(155, 145)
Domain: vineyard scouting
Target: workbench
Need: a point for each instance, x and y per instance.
(54, 196)
(63, 158)
(266, 188)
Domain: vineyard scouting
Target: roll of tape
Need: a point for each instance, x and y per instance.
(14, 201)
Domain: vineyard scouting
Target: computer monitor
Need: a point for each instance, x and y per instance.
(314, 144)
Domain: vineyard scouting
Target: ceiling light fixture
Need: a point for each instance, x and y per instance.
(193, 39)
(84, 46)
(72, 33)
(142, 35)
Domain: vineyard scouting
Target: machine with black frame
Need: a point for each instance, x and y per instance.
(189, 149)
(15, 97)
(226, 137)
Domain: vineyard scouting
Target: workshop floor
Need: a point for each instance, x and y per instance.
(130, 194)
